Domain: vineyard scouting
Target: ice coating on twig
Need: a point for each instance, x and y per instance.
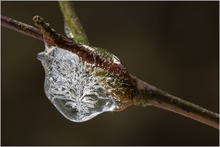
(73, 87)
(68, 31)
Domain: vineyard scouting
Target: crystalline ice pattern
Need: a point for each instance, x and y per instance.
(74, 90)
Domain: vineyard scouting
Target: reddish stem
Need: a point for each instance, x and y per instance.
(21, 27)
(146, 94)
(52, 38)
(152, 96)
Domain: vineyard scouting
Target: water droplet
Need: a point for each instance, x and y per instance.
(77, 89)
(68, 31)
(115, 59)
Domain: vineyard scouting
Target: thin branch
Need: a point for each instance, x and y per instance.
(21, 27)
(145, 94)
(63, 42)
(149, 95)
(72, 21)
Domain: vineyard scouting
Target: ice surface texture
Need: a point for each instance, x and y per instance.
(74, 87)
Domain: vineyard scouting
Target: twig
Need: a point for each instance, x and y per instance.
(145, 94)
(155, 97)
(72, 21)
(51, 37)
(21, 27)
(149, 95)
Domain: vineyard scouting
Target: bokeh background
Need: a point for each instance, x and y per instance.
(171, 45)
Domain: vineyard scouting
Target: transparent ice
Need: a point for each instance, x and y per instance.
(73, 87)
(68, 31)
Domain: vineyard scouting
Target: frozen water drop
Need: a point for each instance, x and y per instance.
(68, 31)
(72, 88)
(115, 59)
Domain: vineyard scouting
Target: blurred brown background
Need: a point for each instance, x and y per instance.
(171, 45)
